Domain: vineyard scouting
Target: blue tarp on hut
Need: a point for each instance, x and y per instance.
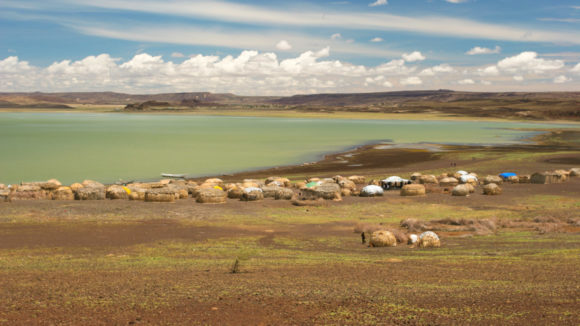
(506, 175)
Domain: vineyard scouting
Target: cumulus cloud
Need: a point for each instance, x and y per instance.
(393, 68)
(177, 55)
(456, 1)
(376, 40)
(251, 72)
(378, 80)
(378, 3)
(529, 62)
(442, 68)
(488, 71)
(480, 50)
(411, 81)
(283, 45)
(561, 79)
(413, 56)
(336, 36)
(13, 65)
(264, 73)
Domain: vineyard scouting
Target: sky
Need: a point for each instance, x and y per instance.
(259, 47)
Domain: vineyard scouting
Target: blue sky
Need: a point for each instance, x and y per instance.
(287, 47)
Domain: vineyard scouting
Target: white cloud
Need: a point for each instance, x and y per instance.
(394, 68)
(518, 78)
(263, 41)
(263, 73)
(488, 71)
(378, 80)
(481, 50)
(336, 36)
(413, 56)
(13, 65)
(442, 68)
(529, 62)
(411, 81)
(283, 45)
(456, 1)
(377, 40)
(177, 55)
(561, 79)
(378, 3)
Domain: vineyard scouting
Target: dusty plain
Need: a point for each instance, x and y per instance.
(134, 263)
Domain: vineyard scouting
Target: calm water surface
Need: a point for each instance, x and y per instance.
(107, 147)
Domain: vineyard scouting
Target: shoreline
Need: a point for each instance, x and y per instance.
(291, 114)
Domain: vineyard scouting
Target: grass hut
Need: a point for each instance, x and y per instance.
(547, 177)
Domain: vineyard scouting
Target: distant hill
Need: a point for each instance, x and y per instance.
(537, 105)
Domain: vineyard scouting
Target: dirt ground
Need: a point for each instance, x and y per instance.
(132, 263)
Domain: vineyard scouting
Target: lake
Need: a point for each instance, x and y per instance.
(107, 147)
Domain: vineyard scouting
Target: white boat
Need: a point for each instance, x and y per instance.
(171, 175)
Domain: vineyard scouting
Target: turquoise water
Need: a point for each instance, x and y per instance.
(107, 147)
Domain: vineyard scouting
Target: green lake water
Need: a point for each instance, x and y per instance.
(107, 147)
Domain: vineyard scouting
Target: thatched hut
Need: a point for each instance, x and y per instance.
(137, 192)
(181, 191)
(493, 179)
(252, 194)
(357, 179)
(546, 177)
(90, 192)
(371, 191)
(329, 191)
(491, 189)
(211, 196)
(461, 190)
(382, 238)
(160, 195)
(270, 191)
(214, 182)
(255, 183)
(429, 239)
(92, 183)
(564, 175)
(236, 192)
(117, 192)
(284, 194)
(469, 178)
(347, 184)
(4, 195)
(448, 182)
(428, 179)
(413, 190)
(63, 193)
(394, 182)
(28, 192)
(415, 176)
(278, 181)
(526, 178)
